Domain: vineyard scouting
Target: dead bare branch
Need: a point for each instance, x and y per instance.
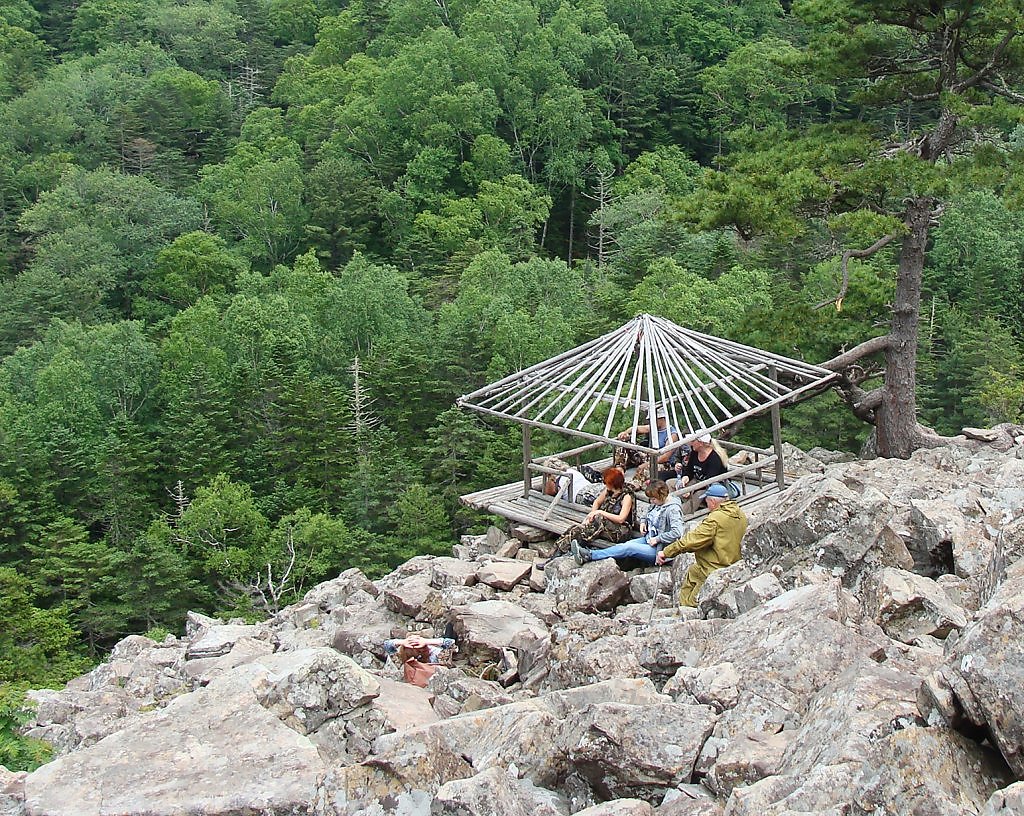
(855, 253)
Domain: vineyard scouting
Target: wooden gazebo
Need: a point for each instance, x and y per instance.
(620, 380)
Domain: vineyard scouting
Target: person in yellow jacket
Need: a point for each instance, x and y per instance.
(715, 542)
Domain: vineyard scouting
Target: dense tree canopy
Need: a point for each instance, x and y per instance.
(251, 253)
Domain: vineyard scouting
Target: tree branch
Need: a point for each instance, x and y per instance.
(848, 358)
(979, 75)
(855, 253)
(1002, 90)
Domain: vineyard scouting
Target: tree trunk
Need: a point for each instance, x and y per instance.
(896, 420)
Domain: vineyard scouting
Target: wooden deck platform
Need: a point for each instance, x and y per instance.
(538, 510)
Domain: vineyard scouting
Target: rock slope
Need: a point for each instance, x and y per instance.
(866, 657)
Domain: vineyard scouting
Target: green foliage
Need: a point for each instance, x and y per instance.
(18, 753)
(255, 196)
(713, 306)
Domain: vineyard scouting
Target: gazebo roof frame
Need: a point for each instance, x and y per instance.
(704, 383)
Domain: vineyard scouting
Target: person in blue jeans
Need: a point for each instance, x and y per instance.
(663, 525)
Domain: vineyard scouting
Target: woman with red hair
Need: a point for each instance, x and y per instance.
(610, 517)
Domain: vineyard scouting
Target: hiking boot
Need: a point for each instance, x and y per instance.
(591, 474)
(580, 554)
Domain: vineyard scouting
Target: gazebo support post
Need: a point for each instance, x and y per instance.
(776, 412)
(527, 460)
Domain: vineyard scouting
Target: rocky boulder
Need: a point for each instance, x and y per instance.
(214, 751)
(486, 627)
(908, 606)
(981, 684)
(503, 573)
(594, 587)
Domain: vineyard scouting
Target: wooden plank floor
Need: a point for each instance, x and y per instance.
(508, 502)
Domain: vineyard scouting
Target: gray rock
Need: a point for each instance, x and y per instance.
(307, 688)
(509, 549)
(619, 807)
(786, 650)
(594, 587)
(822, 522)
(670, 643)
(240, 758)
(747, 759)
(412, 595)
(503, 573)
(489, 792)
(399, 780)
(528, 534)
(341, 590)
(624, 751)
(716, 686)
(688, 800)
(908, 606)
(218, 640)
(731, 591)
(982, 681)
(487, 627)
(1006, 802)
(196, 623)
(447, 572)
(929, 770)
(201, 672)
(12, 792)
(611, 656)
(645, 586)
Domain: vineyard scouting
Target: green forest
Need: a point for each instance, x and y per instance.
(252, 251)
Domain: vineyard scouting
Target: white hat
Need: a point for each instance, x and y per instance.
(705, 438)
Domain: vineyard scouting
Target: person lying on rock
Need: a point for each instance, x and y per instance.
(715, 542)
(610, 517)
(418, 647)
(663, 525)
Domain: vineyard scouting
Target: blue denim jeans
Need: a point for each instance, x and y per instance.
(636, 548)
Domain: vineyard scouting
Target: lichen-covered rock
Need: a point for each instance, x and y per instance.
(909, 606)
(716, 686)
(309, 687)
(214, 752)
(981, 684)
(928, 770)
(633, 751)
(486, 627)
(399, 780)
(785, 651)
(488, 792)
(594, 587)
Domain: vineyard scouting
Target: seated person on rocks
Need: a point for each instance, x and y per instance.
(610, 517)
(625, 458)
(663, 525)
(715, 542)
(705, 460)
